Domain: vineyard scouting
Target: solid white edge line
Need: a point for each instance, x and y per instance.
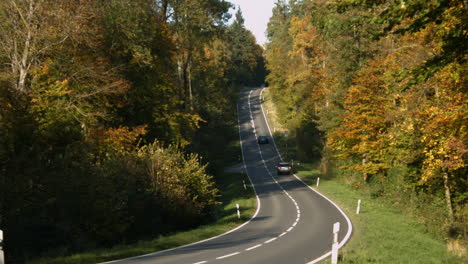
(261, 153)
(350, 226)
(268, 126)
(266, 167)
(254, 247)
(229, 255)
(211, 238)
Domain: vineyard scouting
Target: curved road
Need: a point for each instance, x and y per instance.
(293, 222)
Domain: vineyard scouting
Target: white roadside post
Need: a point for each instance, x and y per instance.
(2, 256)
(336, 229)
(238, 212)
(358, 207)
(318, 181)
(334, 253)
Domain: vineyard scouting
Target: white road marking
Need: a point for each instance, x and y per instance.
(348, 221)
(229, 255)
(254, 247)
(266, 167)
(345, 239)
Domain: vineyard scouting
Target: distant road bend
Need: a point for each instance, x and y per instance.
(293, 223)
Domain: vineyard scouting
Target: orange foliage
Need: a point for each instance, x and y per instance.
(116, 140)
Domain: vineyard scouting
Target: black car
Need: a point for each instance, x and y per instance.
(262, 139)
(284, 168)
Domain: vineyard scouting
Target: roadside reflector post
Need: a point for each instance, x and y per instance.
(318, 181)
(336, 229)
(358, 207)
(238, 212)
(334, 258)
(245, 187)
(2, 255)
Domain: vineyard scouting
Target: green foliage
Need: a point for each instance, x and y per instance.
(403, 239)
(226, 219)
(101, 81)
(247, 55)
(383, 81)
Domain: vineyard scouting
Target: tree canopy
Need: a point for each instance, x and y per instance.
(383, 84)
(112, 117)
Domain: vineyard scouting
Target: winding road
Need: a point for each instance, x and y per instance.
(293, 222)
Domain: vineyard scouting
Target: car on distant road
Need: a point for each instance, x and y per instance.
(284, 168)
(262, 139)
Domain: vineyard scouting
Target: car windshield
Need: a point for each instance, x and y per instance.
(284, 165)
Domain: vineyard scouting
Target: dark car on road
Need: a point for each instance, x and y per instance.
(284, 168)
(262, 139)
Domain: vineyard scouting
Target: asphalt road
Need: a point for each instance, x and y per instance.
(293, 222)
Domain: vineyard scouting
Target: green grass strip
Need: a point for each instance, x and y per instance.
(382, 234)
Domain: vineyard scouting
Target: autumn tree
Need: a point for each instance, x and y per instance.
(79, 115)
(193, 22)
(389, 96)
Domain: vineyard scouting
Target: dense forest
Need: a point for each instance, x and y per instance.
(109, 113)
(377, 90)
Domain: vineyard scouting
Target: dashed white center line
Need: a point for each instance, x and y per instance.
(201, 262)
(271, 175)
(229, 255)
(254, 247)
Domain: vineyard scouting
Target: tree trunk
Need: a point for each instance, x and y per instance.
(180, 79)
(163, 16)
(365, 159)
(448, 196)
(19, 41)
(189, 84)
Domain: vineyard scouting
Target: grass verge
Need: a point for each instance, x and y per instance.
(381, 232)
(233, 193)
